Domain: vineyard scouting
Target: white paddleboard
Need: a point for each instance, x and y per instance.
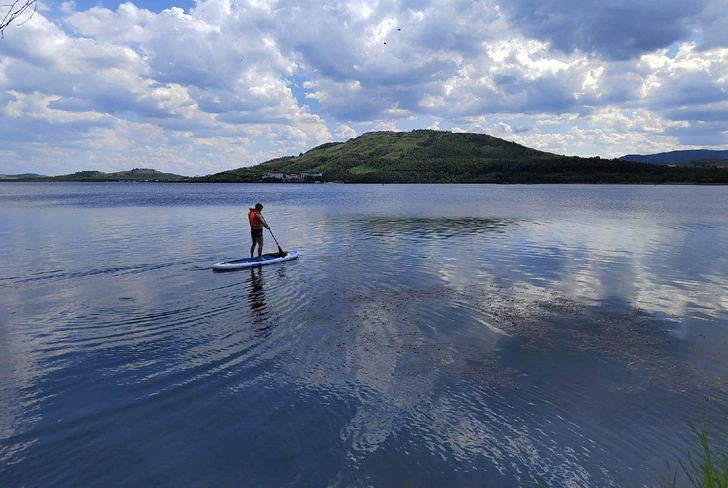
(249, 263)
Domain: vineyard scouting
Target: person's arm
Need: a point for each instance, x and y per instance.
(262, 221)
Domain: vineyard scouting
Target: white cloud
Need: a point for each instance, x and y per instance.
(344, 132)
(386, 126)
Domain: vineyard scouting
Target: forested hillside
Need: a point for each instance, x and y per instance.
(427, 156)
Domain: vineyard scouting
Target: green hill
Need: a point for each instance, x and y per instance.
(427, 156)
(136, 174)
(417, 156)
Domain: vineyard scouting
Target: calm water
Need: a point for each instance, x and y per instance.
(428, 335)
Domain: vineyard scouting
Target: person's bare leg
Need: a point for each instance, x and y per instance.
(252, 248)
(260, 248)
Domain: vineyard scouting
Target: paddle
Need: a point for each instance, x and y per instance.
(280, 250)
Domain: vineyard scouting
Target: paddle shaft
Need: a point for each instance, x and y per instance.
(280, 250)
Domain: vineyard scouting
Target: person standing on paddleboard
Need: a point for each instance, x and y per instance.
(257, 222)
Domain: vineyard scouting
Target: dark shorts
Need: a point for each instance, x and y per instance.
(256, 233)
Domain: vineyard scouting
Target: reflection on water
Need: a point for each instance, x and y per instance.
(429, 335)
(430, 228)
(256, 295)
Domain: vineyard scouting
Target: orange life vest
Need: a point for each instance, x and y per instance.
(251, 217)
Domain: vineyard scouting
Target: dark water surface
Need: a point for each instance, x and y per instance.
(427, 336)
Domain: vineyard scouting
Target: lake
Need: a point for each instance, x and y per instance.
(428, 335)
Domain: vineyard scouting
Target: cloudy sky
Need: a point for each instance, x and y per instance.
(198, 87)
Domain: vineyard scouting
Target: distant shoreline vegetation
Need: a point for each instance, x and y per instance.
(428, 156)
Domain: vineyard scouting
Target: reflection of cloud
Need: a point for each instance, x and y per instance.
(644, 260)
(376, 355)
(386, 350)
(435, 363)
(17, 371)
(640, 262)
(488, 426)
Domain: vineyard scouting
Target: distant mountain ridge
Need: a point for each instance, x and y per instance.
(679, 157)
(136, 174)
(21, 176)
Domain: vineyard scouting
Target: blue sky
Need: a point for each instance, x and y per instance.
(200, 87)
